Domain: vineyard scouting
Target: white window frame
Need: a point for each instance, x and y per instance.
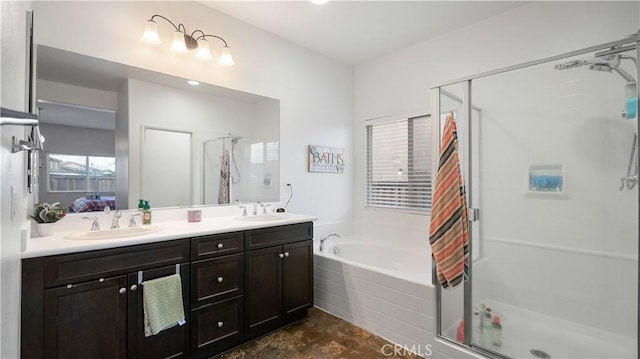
(87, 176)
(369, 205)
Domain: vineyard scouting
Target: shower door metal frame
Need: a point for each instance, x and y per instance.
(632, 42)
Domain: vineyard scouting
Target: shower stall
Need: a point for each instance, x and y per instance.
(549, 157)
(239, 169)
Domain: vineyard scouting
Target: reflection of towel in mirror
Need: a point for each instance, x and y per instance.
(448, 232)
(225, 173)
(162, 304)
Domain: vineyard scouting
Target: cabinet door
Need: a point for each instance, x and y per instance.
(169, 343)
(86, 320)
(264, 289)
(297, 281)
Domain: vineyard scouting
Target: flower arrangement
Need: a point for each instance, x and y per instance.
(48, 213)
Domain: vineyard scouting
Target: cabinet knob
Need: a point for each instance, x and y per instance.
(220, 279)
(133, 288)
(286, 254)
(220, 245)
(220, 324)
(101, 280)
(122, 290)
(281, 255)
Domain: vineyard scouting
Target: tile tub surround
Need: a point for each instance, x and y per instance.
(320, 335)
(397, 309)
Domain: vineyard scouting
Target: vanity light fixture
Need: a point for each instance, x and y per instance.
(183, 42)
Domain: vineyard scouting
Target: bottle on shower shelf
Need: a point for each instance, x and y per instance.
(496, 331)
(486, 336)
(631, 100)
(483, 311)
(460, 331)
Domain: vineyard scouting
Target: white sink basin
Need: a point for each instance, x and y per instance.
(264, 217)
(113, 233)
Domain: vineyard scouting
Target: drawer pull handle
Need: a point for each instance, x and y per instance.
(220, 279)
(286, 254)
(133, 288)
(122, 290)
(220, 324)
(220, 245)
(281, 255)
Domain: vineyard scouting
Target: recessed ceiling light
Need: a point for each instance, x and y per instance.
(319, 2)
(193, 82)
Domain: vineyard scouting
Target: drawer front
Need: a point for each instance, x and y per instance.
(80, 267)
(216, 327)
(217, 278)
(217, 245)
(267, 237)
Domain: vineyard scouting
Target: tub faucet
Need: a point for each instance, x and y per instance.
(325, 238)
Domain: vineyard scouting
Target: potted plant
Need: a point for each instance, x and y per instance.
(46, 215)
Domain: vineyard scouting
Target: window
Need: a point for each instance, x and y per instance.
(71, 173)
(399, 165)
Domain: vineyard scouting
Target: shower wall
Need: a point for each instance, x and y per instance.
(569, 255)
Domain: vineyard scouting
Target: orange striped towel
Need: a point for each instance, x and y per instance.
(448, 231)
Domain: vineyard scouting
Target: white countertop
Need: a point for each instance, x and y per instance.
(58, 244)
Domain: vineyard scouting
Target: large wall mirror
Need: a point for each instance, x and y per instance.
(116, 134)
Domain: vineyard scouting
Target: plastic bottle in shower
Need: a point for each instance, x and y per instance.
(486, 336)
(483, 311)
(496, 331)
(631, 100)
(460, 331)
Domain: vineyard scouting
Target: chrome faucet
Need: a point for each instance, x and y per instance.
(325, 238)
(114, 220)
(255, 208)
(95, 225)
(132, 219)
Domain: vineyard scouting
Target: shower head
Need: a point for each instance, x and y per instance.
(608, 63)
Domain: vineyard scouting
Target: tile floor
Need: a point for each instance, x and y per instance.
(318, 336)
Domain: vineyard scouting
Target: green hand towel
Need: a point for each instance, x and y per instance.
(162, 302)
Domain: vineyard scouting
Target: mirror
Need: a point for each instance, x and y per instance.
(116, 134)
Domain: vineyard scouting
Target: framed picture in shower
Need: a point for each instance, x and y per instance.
(326, 159)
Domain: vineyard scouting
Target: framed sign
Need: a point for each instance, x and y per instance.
(326, 159)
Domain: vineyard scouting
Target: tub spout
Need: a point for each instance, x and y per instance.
(325, 238)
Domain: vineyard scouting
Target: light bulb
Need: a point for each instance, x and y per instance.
(178, 44)
(151, 33)
(225, 57)
(203, 50)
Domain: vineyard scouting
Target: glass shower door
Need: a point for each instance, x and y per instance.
(557, 271)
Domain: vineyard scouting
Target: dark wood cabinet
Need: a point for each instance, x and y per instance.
(76, 315)
(235, 286)
(100, 316)
(279, 285)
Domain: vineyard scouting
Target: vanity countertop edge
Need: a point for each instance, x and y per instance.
(58, 244)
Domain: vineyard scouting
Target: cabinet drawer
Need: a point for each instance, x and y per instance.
(80, 267)
(216, 245)
(217, 327)
(266, 237)
(217, 278)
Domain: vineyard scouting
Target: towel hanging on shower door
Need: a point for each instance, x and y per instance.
(223, 186)
(448, 230)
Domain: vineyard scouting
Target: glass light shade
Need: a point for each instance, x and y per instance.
(178, 44)
(225, 58)
(203, 50)
(150, 35)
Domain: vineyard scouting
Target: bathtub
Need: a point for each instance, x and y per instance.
(385, 289)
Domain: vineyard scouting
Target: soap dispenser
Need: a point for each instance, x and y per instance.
(141, 205)
(146, 213)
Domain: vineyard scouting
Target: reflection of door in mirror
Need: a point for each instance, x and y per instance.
(166, 167)
(77, 166)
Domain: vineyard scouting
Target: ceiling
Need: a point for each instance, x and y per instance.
(354, 32)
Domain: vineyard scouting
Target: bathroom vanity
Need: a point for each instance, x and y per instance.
(236, 285)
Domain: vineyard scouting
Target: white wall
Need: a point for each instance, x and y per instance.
(400, 83)
(12, 173)
(316, 92)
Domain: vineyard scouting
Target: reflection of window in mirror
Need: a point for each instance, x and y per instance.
(73, 173)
